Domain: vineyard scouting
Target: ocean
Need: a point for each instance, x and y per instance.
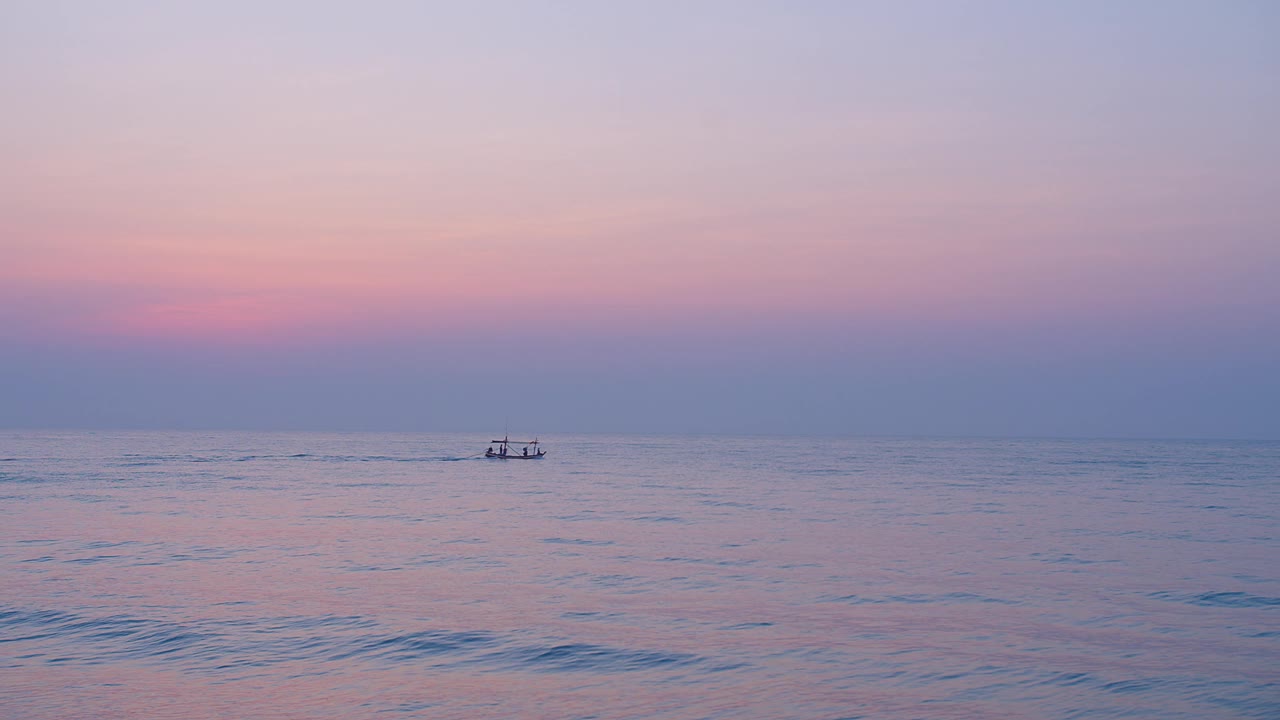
(305, 575)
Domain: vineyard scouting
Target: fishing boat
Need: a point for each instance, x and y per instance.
(505, 450)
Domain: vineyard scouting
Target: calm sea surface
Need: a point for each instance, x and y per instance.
(235, 575)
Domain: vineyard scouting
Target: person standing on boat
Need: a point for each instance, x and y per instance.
(526, 451)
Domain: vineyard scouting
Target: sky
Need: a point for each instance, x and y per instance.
(877, 218)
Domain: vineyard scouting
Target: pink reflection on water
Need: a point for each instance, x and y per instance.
(306, 587)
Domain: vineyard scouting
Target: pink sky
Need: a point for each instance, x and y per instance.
(849, 178)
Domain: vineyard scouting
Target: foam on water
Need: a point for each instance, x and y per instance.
(189, 575)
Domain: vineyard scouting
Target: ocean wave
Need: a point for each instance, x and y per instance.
(585, 657)
(1228, 599)
(21, 479)
(577, 541)
(920, 599)
(215, 645)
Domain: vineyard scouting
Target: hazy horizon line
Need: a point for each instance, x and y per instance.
(648, 433)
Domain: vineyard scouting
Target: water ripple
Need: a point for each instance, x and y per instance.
(209, 645)
(920, 599)
(1234, 599)
(585, 657)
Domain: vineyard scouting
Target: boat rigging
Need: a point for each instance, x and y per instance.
(505, 450)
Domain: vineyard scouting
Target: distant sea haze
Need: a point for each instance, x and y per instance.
(288, 575)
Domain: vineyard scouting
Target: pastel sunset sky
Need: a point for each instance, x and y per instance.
(955, 218)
